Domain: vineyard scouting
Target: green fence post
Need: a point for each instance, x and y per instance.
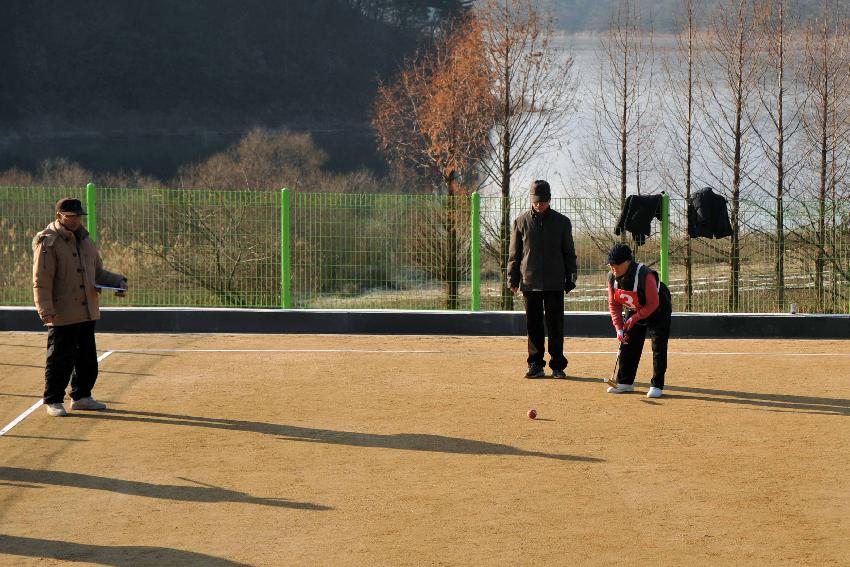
(91, 209)
(476, 251)
(665, 237)
(285, 251)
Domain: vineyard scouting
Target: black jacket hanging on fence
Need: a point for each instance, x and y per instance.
(637, 215)
(707, 215)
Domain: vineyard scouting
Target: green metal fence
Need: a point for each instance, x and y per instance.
(380, 251)
(193, 247)
(308, 250)
(23, 212)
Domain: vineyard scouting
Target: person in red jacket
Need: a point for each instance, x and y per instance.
(640, 304)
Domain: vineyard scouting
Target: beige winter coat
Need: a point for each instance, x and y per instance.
(64, 273)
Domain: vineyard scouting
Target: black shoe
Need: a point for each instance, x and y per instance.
(535, 371)
(559, 374)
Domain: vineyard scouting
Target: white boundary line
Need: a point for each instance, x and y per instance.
(377, 351)
(272, 350)
(685, 353)
(36, 405)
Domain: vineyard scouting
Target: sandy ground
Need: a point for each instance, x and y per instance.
(425, 456)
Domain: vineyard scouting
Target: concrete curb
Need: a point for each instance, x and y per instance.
(397, 322)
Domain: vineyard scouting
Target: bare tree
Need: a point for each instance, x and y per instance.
(681, 74)
(621, 147)
(205, 242)
(826, 122)
(732, 47)
(778, 126)
(436, 116)
(215, 238)
(534, 90)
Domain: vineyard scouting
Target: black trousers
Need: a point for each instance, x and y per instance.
(71, 356)
(658, 329)
(548, 306)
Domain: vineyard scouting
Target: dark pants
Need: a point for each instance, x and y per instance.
(71, 356)
(658, 329)
(548, 306)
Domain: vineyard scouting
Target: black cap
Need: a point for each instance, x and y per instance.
(70, 207)
(619, 253)
(540, 192)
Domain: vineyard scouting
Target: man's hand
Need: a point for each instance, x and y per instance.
(622, 337)
(630, 322)
(48, 319)
(124, 285)
(570, 282)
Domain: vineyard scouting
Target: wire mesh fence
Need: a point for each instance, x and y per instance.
(764, 284)
(193, 247)
(593, 221)
(222, 248)
(380, 251)
(25, 211)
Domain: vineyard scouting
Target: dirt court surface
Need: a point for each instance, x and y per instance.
(422, 454)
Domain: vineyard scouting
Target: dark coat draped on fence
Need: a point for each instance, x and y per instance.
(708, 215)
(637, 215)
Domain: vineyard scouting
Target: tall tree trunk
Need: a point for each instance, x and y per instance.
(451, 270)
(780, 168)
(624, 137)
(833, 242)
(821, 231)
(735, 251)
(689, 285)
(505, 223)
(824, 150)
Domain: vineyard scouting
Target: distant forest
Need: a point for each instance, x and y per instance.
(161, 63)
(595, 15)
(204, 72)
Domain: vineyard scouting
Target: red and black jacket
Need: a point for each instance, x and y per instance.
(640, 293)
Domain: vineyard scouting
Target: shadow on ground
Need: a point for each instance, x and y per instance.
(200, 493)
(403, 441)
(802, 404)
(118, 555)
(41, 367)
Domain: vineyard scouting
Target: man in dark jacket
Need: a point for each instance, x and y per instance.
(542, 263)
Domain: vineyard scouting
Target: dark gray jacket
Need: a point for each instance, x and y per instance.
(542, 255)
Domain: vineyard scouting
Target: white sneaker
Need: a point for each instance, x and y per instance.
(654, 392)
(620, 388)
(55, 410)
(87, 404)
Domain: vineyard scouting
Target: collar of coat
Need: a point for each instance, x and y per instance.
(63, 232)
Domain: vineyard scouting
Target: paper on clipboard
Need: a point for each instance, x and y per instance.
(99, 286)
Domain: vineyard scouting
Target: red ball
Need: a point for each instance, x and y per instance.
(532, 413)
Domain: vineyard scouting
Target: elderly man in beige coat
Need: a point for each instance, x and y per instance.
(66, 270)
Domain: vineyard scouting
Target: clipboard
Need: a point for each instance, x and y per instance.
(116, 289)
